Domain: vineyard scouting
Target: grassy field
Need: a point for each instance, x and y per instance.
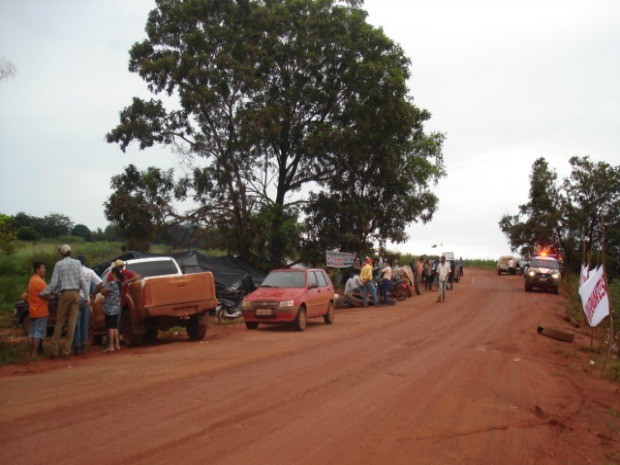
(16, 268)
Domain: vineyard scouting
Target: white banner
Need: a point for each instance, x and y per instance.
(339, 259)
(594, 297)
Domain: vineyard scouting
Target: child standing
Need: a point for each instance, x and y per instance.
(112, 308)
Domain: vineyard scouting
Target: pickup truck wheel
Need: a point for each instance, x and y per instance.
(93, 339)
(331, 313)
(26, 326)
(195, 330)
(251, 324)
(151, 334)
(300, 320)
(129, 336)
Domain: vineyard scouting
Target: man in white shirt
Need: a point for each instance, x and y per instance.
(93, 283)
(353, 285)
(443, 271)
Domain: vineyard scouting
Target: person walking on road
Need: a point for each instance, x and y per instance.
(68, 281)
(443, 271)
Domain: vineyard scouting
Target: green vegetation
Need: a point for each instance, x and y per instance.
(276, 98)
(486, 264)
(16, 268)
(574, 311)
(12, 350)
(582, 210)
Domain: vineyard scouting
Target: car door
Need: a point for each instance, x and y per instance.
(325, 291)
(314, 295)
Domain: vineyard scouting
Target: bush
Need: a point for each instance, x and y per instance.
(28, 233)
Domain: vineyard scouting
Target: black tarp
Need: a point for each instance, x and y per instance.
(228, 271)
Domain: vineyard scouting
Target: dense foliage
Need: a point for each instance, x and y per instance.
(572, 214)
(288, 110)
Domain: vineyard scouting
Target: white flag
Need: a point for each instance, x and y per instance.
(594, 297)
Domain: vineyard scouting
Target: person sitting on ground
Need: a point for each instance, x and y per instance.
(353, 285)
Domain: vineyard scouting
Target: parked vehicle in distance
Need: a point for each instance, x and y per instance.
(543, 273)
(290, 296)
(163, 298)
(502, 264)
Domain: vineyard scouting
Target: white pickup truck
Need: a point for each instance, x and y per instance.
(163, 298)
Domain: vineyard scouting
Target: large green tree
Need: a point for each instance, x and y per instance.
(539, 221)
(141, 205)
(593, 189)
(276, 97)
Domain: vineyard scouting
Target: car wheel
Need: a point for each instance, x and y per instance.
(26, 326)
(129, 336)
(556, 290)
(251, 324)
(528, 288)
(195, 330)
(300, 320)
(331, 313)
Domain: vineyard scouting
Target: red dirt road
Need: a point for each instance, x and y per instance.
(468, 381)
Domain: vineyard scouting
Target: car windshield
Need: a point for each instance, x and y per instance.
(285, 279)
(551, 264)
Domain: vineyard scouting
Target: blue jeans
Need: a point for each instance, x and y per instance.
(442, 290)
(385, 285)
(369, 286)
(81, 329)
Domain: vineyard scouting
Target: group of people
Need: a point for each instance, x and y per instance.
(374, 273)
(364, 279)
(76, 286)
(429, 271)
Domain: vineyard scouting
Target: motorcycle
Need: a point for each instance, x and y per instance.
(229, 305)
(398, 290)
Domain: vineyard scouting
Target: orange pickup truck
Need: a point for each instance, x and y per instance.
(162, 299)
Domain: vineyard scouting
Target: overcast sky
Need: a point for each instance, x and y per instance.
(506, 81)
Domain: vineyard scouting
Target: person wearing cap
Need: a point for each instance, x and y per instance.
(369, 285)
(67, 280)
(93, 283)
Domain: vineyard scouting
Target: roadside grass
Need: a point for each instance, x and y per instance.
(601, 334)
(17, 268)
(485, 264)
(12, 350)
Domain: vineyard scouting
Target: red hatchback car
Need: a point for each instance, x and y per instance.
(290, 296)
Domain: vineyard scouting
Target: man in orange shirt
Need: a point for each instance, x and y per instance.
(37, 306)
